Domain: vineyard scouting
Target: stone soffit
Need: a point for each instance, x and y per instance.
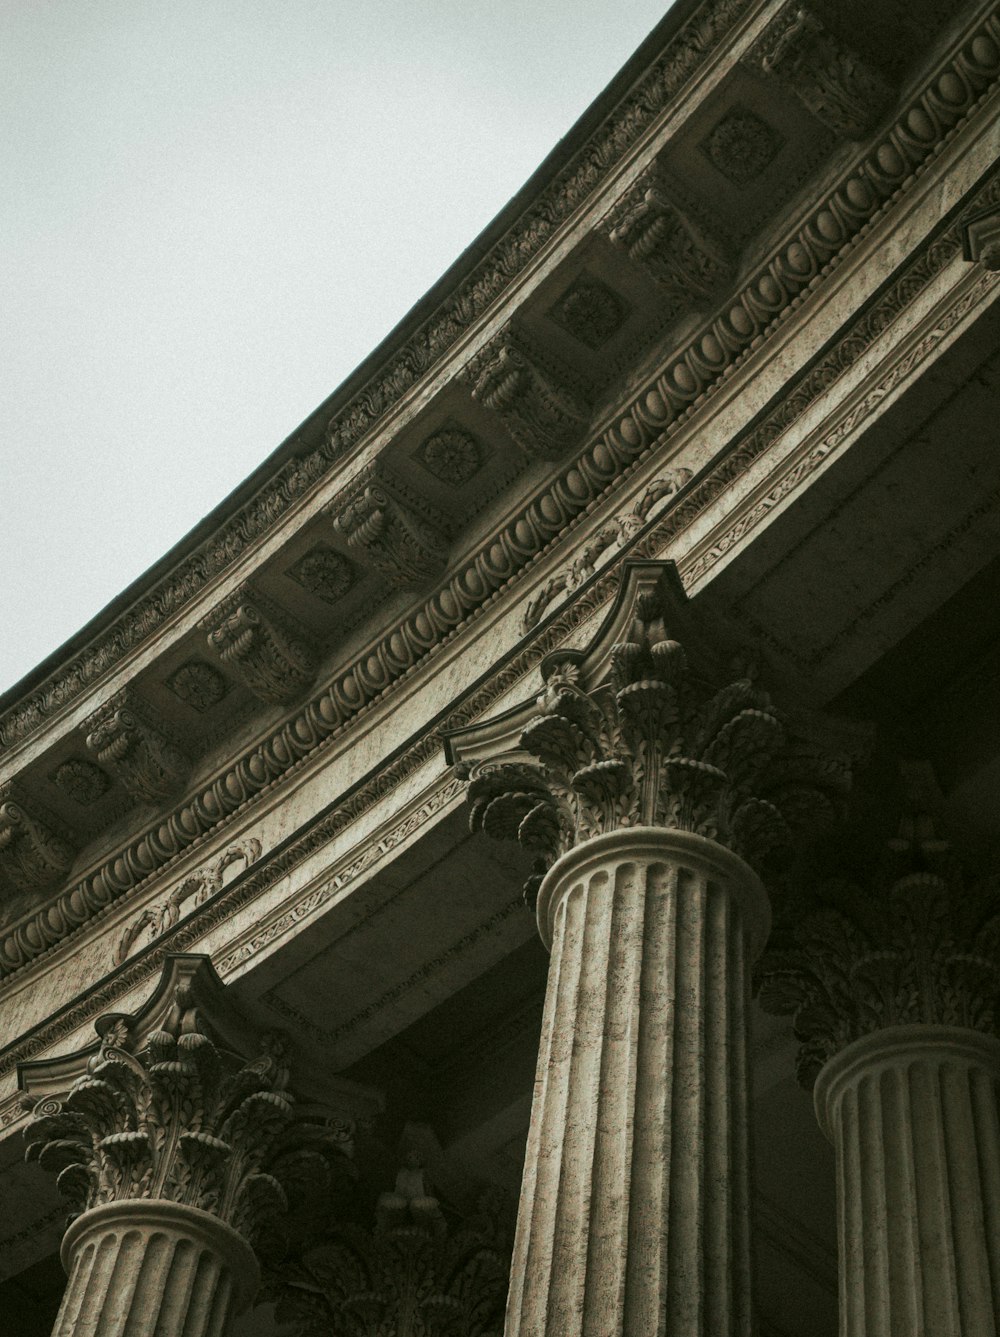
(649, 420)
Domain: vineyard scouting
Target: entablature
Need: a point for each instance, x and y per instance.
(661, 302)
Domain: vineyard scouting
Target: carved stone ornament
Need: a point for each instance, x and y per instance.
(325, 573)
(258, 646)
(81, 780)
(688, 265)
(166, 1108)
(919, 944)
(647, 730)
(590, 311)
(981, 238)
(198, 685)
(610, 536)
(412, 1278)
(840, 88)
(542, 408)
(155, 920)
(390, 529)
(32, 851)
(141, 759)
(741, 145)
(452, 456)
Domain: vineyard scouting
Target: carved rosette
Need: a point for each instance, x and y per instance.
(141, 759)
(660, 744)
(655, 233)
(257, 646)
(920, 945)
(541, 407)
(176, 1118)
(389, 530)
(32, 852)
(840, 88)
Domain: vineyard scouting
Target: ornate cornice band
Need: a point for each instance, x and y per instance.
(654, 414)
(689, 49)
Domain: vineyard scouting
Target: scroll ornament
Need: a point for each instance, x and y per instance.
(659, 744)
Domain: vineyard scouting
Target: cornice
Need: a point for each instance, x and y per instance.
(555, 629)
(559, 506)
(632, 111)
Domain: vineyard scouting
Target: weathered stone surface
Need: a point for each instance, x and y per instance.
(913, 1114)
(634, 1212)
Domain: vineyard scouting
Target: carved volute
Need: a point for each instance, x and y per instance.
(652, 727)
(166, 1108)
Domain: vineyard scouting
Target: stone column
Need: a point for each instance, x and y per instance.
(160, 1144)
(895, 989)
(650, 792)
(145, 1268)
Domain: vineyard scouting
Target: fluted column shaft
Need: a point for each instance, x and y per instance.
(150, 1268)
(912, 1113)
(634, 1207)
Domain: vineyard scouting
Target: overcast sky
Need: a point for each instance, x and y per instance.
(210, 211)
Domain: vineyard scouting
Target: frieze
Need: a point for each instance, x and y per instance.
(690, 48)
(653, 416)
(616, 532)
(155, 920)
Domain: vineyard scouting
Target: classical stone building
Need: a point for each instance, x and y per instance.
(569, 765)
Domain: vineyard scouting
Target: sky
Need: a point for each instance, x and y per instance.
(210, 212)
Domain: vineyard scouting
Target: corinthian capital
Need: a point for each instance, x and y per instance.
(651, 727)
(166, 1108)
(918, 943)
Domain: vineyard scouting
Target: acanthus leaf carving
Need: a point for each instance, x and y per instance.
(260, 647)
(390, 527)
(688, 264)
(666, 736)
(839, 87)
(542, 406)
(918, 943)
(168, 1111)
(413, 1275)
(125, 740)
(33, 850)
